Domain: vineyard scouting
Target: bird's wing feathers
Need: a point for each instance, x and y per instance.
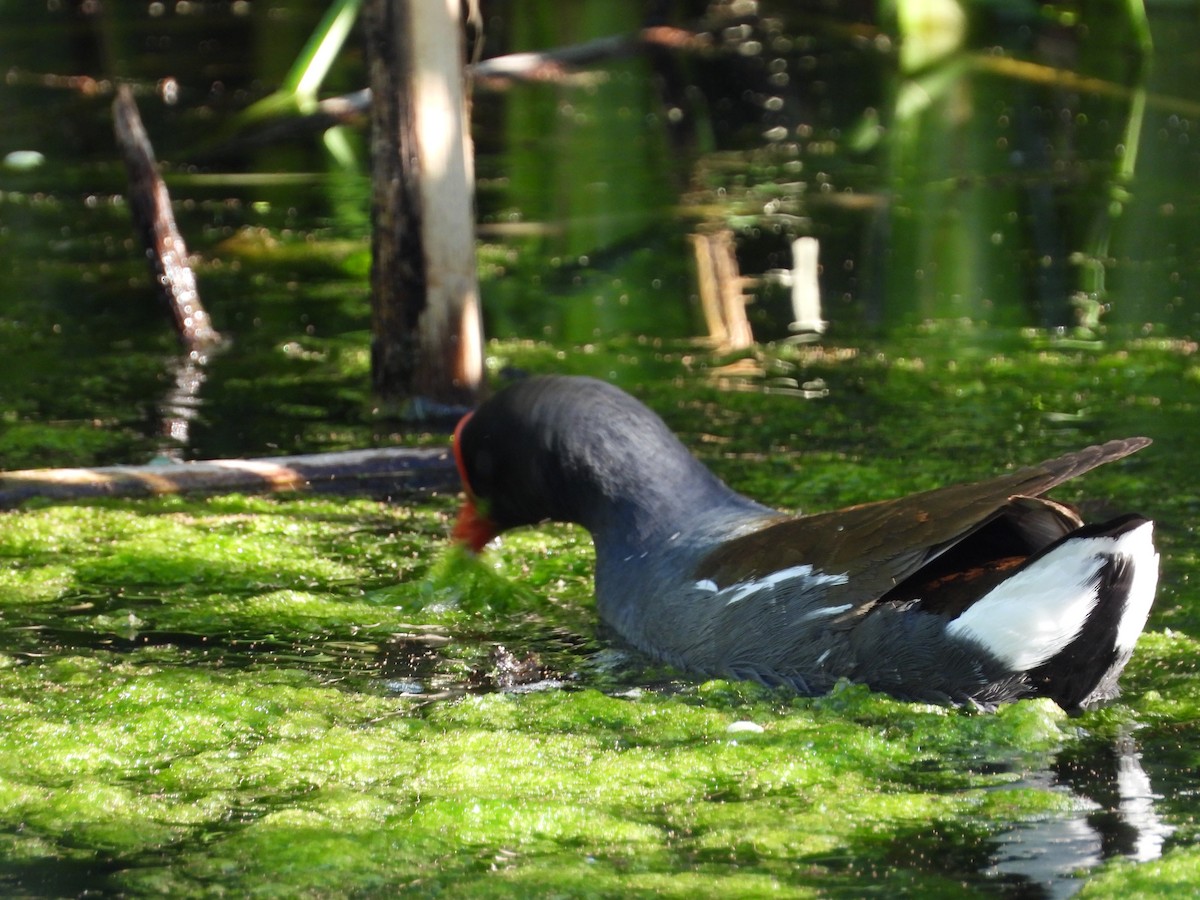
(876, 545)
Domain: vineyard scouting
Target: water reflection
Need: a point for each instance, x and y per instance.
(1114, 779)
(1045, 178)
(182, 402)
(1006, 183)
(1117, 817)
(1137, 797)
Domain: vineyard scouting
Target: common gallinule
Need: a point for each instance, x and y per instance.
(980, 593)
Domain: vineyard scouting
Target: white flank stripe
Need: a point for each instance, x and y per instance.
(1030, 617)
(1138, 545)
(1036, 613)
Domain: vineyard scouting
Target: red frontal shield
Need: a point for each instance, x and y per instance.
(472, 528)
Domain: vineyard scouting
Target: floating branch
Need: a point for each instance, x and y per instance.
(150, 206)
(387, 472)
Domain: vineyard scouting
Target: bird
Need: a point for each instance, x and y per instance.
(974, 594)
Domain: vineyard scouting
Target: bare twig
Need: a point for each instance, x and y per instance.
(545, 65)
(150, 205)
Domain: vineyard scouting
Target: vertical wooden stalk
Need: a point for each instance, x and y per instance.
(729, 279)
(427, 338)
(720, 286)
(709, 290)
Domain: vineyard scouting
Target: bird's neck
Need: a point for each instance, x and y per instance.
(639, 501)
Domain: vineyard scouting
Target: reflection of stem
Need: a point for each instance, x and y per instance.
(1133, 134)
(1090, 299)
(182, 403)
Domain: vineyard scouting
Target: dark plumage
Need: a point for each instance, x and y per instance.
(982, 592)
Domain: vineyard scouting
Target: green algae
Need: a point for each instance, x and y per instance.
(1175, 874)
(311, 697)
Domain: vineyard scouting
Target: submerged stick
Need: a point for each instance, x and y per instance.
(387, 472)
(150, 206)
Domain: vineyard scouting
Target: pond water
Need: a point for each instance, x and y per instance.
(309, 697)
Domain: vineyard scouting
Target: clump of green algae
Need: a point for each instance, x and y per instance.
(199, 696)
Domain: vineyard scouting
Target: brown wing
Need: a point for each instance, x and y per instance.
(877, 545)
